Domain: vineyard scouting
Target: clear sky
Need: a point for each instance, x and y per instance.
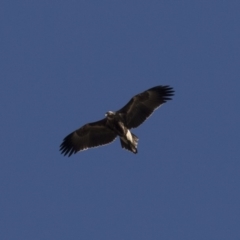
(64, 64)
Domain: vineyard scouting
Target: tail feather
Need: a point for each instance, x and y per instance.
(135, 140)
(131, 146)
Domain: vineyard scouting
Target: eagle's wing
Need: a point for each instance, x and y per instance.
(141, 106)
(90, 135)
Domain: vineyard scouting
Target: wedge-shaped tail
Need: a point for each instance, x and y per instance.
(130, 145)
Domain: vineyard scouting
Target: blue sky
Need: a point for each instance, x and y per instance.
(65, 63)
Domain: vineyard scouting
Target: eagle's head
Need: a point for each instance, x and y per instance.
(110, 114)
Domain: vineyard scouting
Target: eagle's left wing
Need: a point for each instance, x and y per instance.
(88, 136)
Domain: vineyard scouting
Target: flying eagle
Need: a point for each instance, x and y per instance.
(118, 123)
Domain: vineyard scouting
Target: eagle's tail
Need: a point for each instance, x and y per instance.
(130, 145)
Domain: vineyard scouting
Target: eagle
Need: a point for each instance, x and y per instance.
(118, 123)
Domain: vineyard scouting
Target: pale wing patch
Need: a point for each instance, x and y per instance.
(129, 136)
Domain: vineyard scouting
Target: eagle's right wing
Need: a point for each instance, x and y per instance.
(141, 106)
(88, 136)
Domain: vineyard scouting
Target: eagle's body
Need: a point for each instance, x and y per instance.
(115, 121)
(118, 123)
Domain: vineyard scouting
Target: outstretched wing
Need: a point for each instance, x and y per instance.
(141, 106)
(90, 135)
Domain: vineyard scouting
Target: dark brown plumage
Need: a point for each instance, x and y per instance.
(118, 123)
(141, 106)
